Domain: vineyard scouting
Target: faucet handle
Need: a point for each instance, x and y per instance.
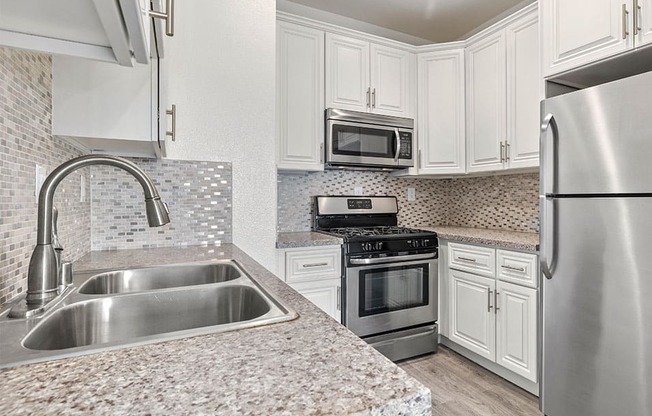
(65, 274)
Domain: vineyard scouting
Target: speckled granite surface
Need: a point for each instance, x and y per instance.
(309, 366)
(499, 238)
(306, 239)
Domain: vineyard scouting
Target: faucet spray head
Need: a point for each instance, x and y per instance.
(157, 212)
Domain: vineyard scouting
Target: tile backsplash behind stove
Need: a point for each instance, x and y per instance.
(508, 202)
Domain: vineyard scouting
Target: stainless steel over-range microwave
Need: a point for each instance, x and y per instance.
(368, 141)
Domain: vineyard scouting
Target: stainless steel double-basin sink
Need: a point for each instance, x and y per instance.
(118, 308)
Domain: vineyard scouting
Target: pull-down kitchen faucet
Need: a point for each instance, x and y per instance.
(43, 279)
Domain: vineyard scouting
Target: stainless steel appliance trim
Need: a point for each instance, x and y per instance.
(407, 343)
(393, 259)
(547, 205)
(398, 145)
(337, 205)
(369, 118)
(389, 321)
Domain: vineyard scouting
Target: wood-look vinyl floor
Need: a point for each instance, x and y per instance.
(461, 387)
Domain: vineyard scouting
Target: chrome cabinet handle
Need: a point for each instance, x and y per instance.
(398, 144)
(516, 269)
(373, 99)
(419, 160)
(625, 14)
(368, 94)
(309, 265)
(637, 17)
(173, 112)
(339, 298)
(507, 150)
(467, 259)
(502, 152)
(489, 307)
(496, 309)
(168, 16)
(321, 152)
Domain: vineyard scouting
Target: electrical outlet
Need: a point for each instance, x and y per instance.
(40, 173)
(411, 194)
(357, 190)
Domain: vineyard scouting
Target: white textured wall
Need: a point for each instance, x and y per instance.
(221, 76)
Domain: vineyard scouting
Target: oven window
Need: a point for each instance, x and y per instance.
(393, 288)
(362, 141)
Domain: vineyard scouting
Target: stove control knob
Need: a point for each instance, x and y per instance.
(379, 246)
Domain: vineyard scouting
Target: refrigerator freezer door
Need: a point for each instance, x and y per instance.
(604, 142)
(597, 309)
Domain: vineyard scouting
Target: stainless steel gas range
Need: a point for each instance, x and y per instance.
(389, 294)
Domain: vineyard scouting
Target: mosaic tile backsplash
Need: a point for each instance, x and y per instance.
(198, 195)
(25, 141)
(507, 202)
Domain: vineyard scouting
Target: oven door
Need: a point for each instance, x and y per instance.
(387, 297)
(359, 144)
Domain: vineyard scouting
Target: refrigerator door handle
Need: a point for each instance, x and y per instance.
(548, 153)
(547, 236)
(548, 178)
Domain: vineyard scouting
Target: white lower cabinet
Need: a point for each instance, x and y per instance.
(472, 321)
(492, 315)
(325, 294)
(314, 272)
(516, 329)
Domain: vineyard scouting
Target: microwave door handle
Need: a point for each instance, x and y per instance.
(398, 145)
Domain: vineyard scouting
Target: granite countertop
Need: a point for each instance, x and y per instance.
(308, 366)
(306, 239)
(500, 238)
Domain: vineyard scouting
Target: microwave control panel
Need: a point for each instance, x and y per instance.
(406, 145)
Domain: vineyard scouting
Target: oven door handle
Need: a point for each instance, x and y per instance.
(395, 259)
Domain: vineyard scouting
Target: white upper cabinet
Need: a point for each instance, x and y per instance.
(524, 93)
(504, 88)
(300, 97)
(578, 32)
(644, 22)
(440, 121)
(486, 103)
(362, 76)
(109, 31)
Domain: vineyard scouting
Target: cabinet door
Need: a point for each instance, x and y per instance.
(300, 97)
(486, 96)
(644, 36)
(524, 91)
(325, 294)
(391, 74)
(516, 316)
(347, 73)
(440, 130)
(577, 32)
(472, 321)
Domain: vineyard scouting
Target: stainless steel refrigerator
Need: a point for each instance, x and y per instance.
(596, 250)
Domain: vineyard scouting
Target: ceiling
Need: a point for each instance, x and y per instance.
(434, 20)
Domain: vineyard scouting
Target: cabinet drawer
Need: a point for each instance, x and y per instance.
(519, 268)
(312, 264)
(472, 259)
